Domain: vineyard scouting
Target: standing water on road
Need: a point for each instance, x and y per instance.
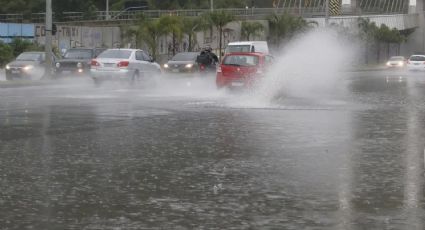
(310, 67)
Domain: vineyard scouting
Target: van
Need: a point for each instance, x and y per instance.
(247, 46)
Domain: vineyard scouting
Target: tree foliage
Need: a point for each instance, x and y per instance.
(6, 53)
(190, 27)
(371, 34)
(285, 26)
(250, 29)
(219, 19)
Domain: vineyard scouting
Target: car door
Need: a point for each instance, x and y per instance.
(142, 65)
(151, 67)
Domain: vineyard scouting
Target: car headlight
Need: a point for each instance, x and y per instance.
(79, 65)
(58, 64)
(401, 63)
(188, 66)
(28, 67)
(388, 63)
(7, 67)
(165, 65)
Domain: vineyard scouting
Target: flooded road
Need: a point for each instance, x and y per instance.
(186, 156)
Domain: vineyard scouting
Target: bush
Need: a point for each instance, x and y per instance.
(6, 54)
(20, 45)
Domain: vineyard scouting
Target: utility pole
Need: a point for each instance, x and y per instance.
(327, 13)
(107, 10)
(48, 40)
(212, 5)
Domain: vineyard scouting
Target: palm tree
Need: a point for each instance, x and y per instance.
(172, 25)
(249, 29)
(219, 19)
(149, 32)
(285, 26)
(368, 33)
(190, 27)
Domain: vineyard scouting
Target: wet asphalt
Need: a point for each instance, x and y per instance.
(183, 155)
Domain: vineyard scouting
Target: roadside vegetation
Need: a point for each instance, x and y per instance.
(17, 46)
(380, 38)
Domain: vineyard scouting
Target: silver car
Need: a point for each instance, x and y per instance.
(130, 65)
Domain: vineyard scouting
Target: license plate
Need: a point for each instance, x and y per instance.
(15, 71)
(237, 84)
(175, 70)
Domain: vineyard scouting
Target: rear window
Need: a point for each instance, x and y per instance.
(417, 58)
(78, 54)
(241, 60)
(119, 54)
(238, 49)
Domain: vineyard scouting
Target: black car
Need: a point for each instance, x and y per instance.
(77, 61)
(28, 65)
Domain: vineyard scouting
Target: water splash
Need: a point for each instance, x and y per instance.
(312, 66)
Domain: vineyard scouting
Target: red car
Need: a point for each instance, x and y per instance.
(242, 69)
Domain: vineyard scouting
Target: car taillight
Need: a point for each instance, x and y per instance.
(219, 69)
(123, 64)
(94, 63)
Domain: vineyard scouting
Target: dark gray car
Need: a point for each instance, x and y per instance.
(184, 62)
(76, 61)
(28, 65)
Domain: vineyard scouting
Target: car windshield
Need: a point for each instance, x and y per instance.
(185, 57)
(119, 54)
(417, 58)
(396, 58)
(78, 54)
(238, 48)
(241, 60)
(29, 57)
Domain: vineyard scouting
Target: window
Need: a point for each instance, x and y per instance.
(121, 54)
(146, 57)
(241, 60)
(139, 56)
(78, 54)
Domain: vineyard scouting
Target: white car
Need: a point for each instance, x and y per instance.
(396, 62)
(132, 65)
(416, 62)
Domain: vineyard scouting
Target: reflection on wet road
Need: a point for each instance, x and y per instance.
(186, 156)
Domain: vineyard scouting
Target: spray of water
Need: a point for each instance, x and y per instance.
(311, 66)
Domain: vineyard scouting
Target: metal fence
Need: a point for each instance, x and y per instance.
(304, 8)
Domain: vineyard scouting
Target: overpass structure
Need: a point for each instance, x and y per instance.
(399, 14)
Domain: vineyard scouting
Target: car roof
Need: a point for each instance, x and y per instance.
(418, 55)
(247, 54)
(124, 49)
(33, 52)
(246, 42)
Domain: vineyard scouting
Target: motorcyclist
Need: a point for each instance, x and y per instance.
(207, 60)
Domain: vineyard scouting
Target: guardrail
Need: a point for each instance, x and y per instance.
(313, 10)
